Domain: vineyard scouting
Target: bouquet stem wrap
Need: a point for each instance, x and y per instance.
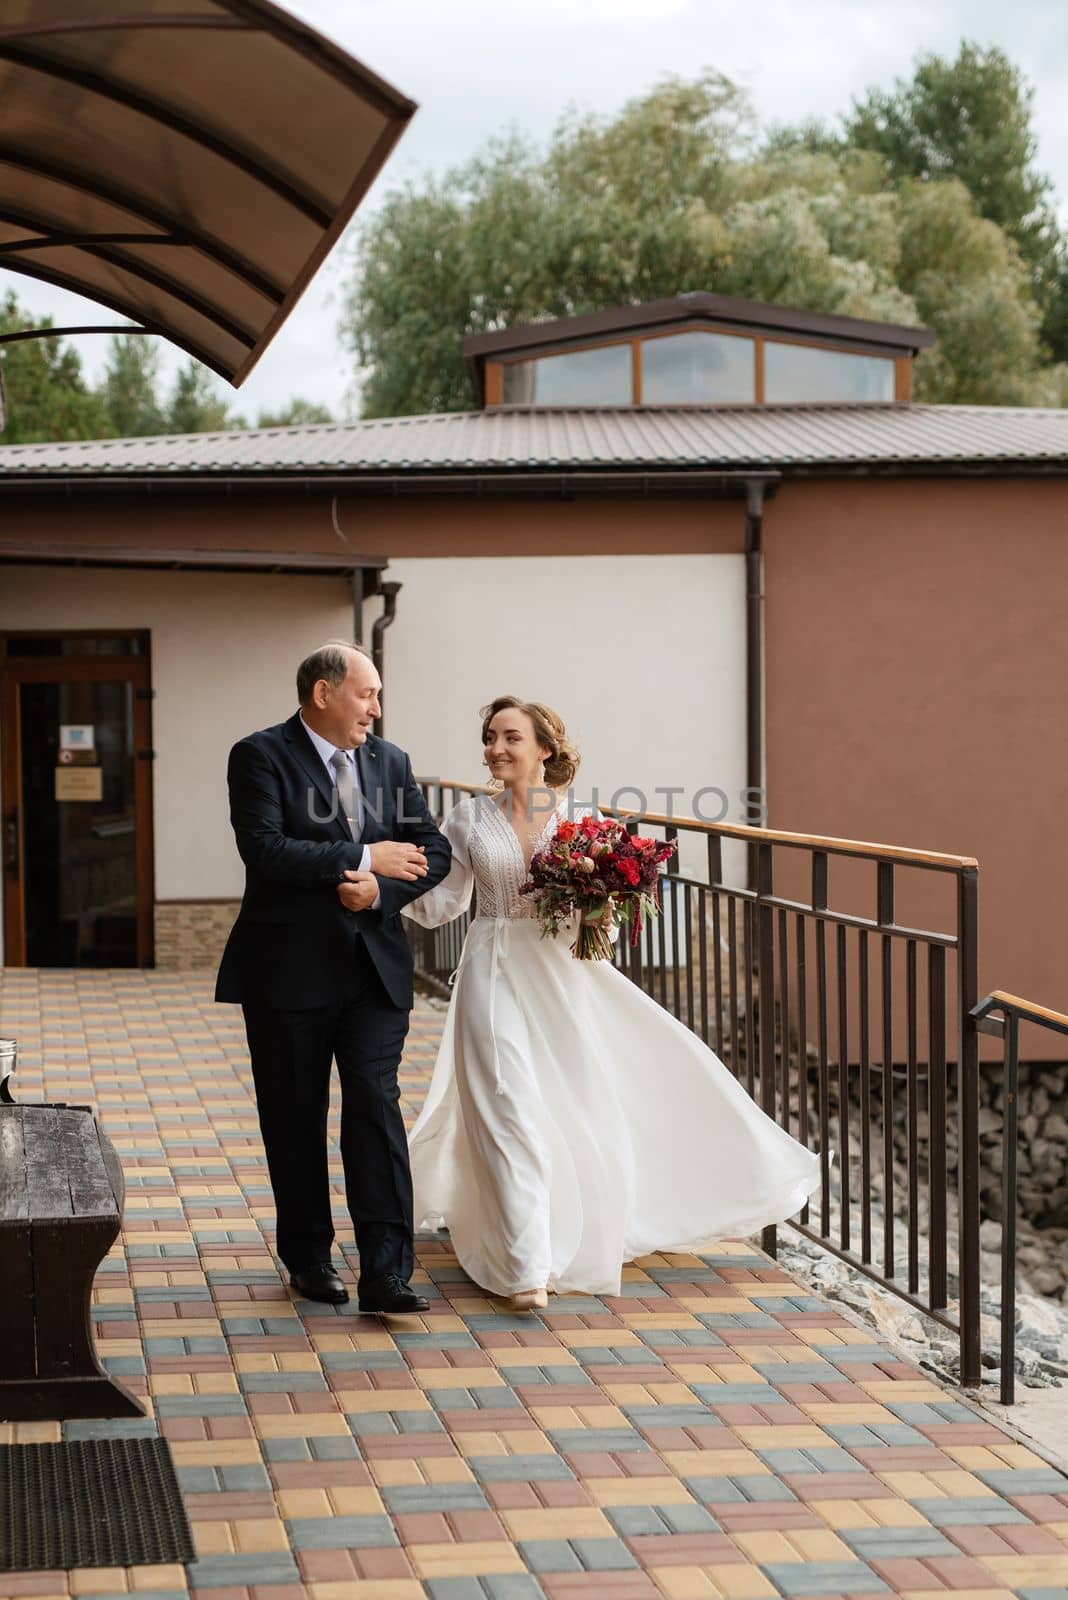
(594, 941)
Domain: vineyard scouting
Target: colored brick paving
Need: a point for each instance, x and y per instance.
(712, 1433)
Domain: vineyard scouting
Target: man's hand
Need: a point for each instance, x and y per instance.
(390, 859)
(359, 891)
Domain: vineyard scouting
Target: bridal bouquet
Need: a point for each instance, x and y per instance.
(595, 868)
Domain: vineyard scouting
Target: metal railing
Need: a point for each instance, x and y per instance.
(1007, 1027)
(890, 1085)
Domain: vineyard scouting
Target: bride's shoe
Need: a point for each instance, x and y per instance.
(530, 1300)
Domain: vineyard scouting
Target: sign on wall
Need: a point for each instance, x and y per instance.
(79, 783)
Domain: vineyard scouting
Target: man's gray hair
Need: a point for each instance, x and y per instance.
(330, 661)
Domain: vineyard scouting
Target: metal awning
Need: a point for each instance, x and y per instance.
(188, 163)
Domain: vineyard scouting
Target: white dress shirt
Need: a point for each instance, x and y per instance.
(327, 752)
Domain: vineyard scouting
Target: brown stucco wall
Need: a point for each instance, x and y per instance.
(375, 526)
(917, 662)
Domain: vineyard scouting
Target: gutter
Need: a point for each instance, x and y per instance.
(564, 485)
(641, 483)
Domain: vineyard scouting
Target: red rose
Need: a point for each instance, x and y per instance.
(566, 831)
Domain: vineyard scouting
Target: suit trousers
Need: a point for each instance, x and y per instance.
(292, 1054)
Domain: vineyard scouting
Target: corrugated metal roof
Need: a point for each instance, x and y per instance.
(554, 440)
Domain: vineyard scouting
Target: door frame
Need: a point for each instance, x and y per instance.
(16, 670)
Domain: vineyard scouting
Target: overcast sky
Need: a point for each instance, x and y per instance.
(477, 66)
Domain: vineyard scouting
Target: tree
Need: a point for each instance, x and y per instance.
(129, 386)
(971, 287)
(47, 397)
(672, 195)
(616, 210)
(971, 119)
(298, 413)
(195, 404)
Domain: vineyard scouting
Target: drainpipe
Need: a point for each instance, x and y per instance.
(754, 646)
(389, 593)
(359, 594)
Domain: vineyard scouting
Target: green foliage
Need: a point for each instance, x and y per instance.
(971, 119)
(129, 385)
(618, 210)
(298, 413)
(47, 397)
(196, 404)
(923, 208)
(968, 119)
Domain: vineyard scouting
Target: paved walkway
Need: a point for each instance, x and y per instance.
(714, 1431)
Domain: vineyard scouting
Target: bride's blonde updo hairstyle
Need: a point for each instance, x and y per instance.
(563, 759)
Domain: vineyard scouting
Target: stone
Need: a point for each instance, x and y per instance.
(1047, 1280)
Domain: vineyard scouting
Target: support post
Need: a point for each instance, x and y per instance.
(754, 647)
(1010, 1134)
(968, 1126)
(766, 993)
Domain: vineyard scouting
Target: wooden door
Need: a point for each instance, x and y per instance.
(75, 740)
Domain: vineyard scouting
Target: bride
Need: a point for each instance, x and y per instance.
(571, 1123)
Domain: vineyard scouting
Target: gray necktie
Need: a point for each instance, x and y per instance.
(347, 792)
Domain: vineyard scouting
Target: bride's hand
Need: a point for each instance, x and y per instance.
(392, 859)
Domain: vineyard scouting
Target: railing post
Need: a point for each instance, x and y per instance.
(1012, 1009)
(936, 1124)
(1009, 1136)
(766, 990)
(968, 1125)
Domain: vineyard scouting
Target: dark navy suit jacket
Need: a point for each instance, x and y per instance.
(292, 946)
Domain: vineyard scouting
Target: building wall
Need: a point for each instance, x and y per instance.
(917, 663)
(224, 648)
(372, 525)
(642, 652)
(642, 656)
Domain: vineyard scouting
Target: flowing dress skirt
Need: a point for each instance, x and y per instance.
(572, 1124)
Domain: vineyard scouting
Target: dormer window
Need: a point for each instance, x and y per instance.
(794, 373)
(599, 376)
(705, 350)
(698, 368)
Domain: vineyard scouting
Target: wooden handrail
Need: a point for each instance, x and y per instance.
(751, 835)
(1000, 1000)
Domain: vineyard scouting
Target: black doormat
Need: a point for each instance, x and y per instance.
(90, 1503)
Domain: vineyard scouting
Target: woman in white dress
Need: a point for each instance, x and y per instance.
(571, 1123)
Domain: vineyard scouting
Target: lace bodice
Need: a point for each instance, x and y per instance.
(487, 858)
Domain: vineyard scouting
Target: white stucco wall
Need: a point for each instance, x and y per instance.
(224, 649)
(642, 656)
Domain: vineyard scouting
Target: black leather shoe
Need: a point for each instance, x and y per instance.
(390, 1293)
(320, 1283)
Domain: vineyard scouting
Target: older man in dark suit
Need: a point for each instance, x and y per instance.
(336, 838)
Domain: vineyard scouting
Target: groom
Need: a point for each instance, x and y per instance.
(335, 837)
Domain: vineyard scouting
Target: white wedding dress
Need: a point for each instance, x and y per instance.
(572, 1123)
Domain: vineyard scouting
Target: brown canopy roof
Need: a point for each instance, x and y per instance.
(188, 163)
